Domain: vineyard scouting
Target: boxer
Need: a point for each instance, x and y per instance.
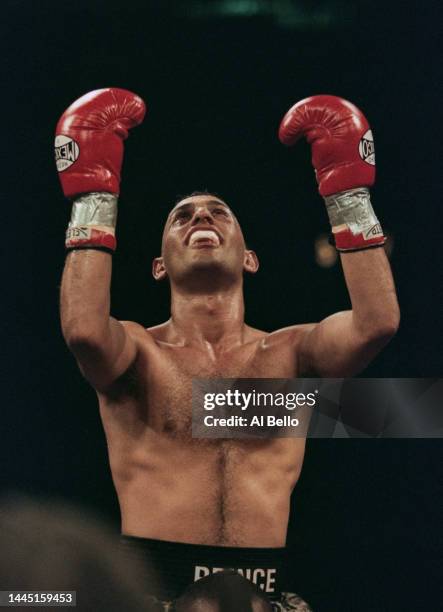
(195, 506)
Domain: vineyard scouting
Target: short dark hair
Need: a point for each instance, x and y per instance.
(203, 192)
(226, 590)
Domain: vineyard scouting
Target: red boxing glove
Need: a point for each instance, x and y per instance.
(341, 140)
(89, 140)
(344, 160)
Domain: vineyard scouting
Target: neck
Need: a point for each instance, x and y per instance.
(208, 317)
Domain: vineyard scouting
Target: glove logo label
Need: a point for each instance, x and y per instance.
(66, 152)
(366, 148)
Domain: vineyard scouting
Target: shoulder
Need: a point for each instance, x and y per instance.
(139, 334)
(147, 336)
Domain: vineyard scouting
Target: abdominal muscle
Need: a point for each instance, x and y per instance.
(218, 492)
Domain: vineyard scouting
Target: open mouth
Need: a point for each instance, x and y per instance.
(202, 238)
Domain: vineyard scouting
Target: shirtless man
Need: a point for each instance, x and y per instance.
(190, 505)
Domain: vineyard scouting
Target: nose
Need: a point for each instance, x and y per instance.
(202, 214)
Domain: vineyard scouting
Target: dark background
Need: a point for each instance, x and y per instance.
(366, 527)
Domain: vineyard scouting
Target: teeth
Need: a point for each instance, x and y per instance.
(204, 235)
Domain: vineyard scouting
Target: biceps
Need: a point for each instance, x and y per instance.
(104, 357)
(334, 348)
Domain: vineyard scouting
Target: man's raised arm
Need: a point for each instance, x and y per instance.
(89, 154)
(344, 161)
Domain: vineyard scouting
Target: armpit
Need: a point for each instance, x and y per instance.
(126, 385)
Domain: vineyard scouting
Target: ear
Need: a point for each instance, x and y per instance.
(158, 269)
(250, 263)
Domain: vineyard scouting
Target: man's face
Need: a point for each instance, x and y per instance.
(202, 235)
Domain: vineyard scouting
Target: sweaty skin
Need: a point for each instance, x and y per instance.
(169, 485)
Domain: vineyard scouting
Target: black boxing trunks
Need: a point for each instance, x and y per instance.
(177, 565)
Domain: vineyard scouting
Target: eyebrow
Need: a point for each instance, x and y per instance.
(189, 204)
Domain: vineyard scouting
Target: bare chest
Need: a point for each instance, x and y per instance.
(168, 397)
